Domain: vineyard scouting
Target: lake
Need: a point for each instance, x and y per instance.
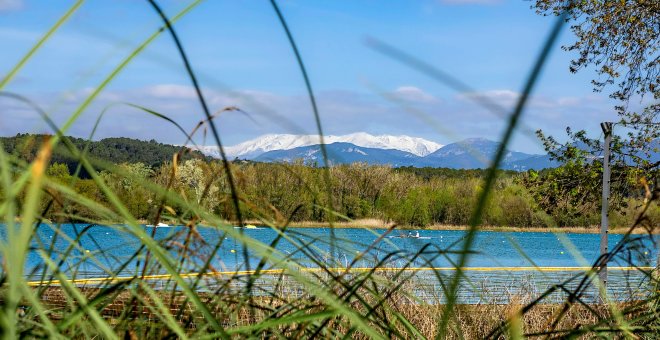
(495, 266)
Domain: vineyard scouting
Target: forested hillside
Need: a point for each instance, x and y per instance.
(113, 150)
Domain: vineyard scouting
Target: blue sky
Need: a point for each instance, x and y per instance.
(243, 59)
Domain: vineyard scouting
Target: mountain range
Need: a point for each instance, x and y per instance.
(397, 151)
(255, 147)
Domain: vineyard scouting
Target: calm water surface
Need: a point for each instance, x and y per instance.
(114, 247)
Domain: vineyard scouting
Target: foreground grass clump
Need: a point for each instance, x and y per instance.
(140, 316)
(171, 287)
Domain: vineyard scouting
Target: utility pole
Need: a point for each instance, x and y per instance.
(604, 213)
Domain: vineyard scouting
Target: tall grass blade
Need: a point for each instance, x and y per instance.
(475, 220)
(64, 18)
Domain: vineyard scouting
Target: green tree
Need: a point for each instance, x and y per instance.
(621, 40)
(128, 181)
(59, 172)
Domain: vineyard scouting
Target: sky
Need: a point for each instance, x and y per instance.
(241, 55)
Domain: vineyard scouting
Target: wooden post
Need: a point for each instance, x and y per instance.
(604, 213)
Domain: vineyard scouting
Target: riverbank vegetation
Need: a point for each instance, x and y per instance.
(416, 197)
(178, 285)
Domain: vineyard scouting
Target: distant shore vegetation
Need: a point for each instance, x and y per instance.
(296, 193)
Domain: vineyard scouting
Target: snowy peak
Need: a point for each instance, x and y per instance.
(255, 147)
(396, 151)
(271, 142)
(416, 146)
(478, 153)
(341, 153)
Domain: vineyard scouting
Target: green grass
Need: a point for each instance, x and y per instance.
(332, 303)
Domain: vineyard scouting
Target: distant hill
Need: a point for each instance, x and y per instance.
(473, 153)
(477, 153)
(536, 162)
(115, 150)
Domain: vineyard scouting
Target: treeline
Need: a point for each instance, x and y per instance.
(298, 192)
(113, 150)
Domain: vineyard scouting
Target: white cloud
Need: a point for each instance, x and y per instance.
(505, 95)
(508, 98)
(569, 101)
(342, 112)
(171, 91)
(505, 98)
(10, 5)
(413, 94)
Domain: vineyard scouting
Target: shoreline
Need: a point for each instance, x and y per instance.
(379, 224)
(382, 225)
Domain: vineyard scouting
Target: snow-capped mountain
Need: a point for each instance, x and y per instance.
(341, 153)
(396, 151)
(414, 145)
(474, 153)
(260, 145)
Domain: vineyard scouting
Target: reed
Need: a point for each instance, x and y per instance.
(275, 297)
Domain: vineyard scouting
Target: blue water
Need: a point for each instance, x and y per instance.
(113, 248)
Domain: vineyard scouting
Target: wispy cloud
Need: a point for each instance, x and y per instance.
(504, 97)
(414, 94)
(508, 98)
(342, 112)
(170, 91)
(10, 5)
